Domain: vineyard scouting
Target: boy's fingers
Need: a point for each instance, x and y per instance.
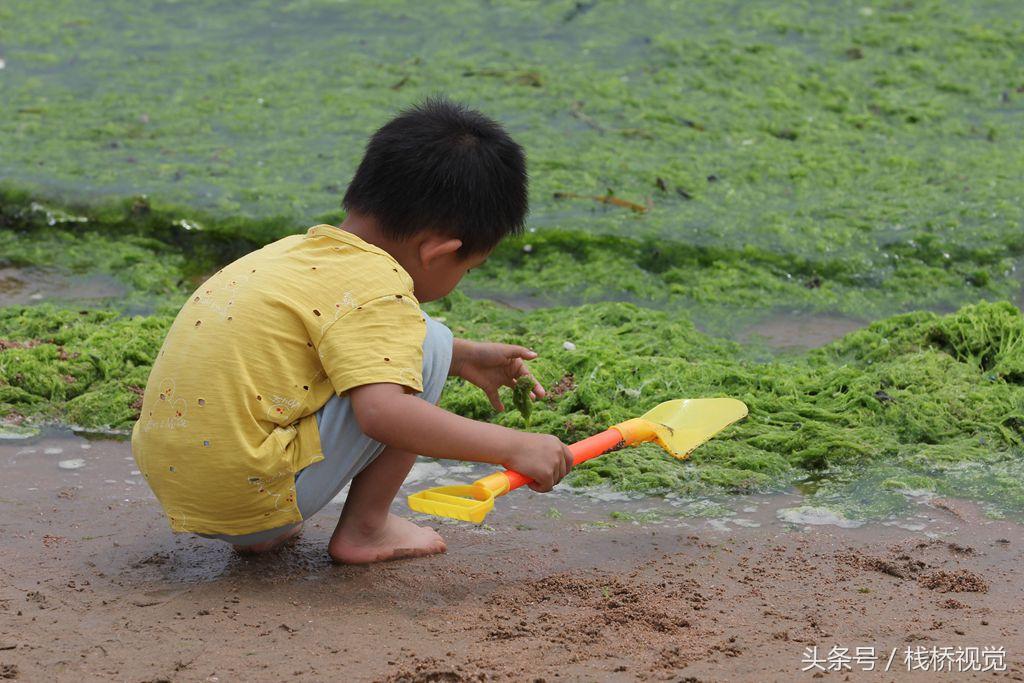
(568, 459)
(492, 394)
(538, 389)
(520, 370)
(541, 484)
(513, 351)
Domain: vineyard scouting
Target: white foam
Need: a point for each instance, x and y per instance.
(808, 514)
(72, 464)
(53, 450)
(749, 523)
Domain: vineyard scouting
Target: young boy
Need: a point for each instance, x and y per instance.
(308, 364)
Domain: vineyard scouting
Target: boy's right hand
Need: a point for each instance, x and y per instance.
(541, 457)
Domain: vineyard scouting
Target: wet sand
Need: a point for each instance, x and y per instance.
(93, 586)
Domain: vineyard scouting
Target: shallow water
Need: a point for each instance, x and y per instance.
(26, 286)
(795, 331)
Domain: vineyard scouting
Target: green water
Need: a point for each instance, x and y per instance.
(850, 158)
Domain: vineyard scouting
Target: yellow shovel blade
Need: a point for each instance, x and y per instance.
(684, 424)
(470, 503)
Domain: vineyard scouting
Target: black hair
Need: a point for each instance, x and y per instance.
(443, 166)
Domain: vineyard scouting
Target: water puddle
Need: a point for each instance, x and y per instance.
(799, 331)
(27, 286)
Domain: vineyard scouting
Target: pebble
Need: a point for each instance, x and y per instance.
(527, 248)
(72, 464)
(568, 346)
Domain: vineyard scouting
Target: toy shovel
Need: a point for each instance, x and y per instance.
(678, 426)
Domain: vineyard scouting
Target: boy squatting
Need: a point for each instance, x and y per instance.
(308, 364)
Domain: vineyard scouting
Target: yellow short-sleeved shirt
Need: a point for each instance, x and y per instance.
(228, 416)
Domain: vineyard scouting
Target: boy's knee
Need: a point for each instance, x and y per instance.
(437, 358)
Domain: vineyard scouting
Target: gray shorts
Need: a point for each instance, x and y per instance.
(346, 449)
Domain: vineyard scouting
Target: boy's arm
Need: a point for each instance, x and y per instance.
(386, 413)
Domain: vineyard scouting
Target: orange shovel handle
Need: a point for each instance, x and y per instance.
(584, 450)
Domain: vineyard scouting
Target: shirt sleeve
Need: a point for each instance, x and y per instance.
(380, 341)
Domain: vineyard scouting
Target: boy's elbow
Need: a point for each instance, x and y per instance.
(374, 414)
(374, 427)
(371, 422)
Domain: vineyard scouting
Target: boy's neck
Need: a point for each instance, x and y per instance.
(367, 229)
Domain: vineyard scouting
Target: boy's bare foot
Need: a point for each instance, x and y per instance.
(353, 543)
(272, 544)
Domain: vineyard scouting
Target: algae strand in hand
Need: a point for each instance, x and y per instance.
(521, 397)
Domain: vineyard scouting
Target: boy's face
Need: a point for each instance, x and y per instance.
(443, 273)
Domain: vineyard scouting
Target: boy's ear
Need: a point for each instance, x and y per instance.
(436, 247)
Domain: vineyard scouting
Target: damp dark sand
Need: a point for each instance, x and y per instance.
(93, 586)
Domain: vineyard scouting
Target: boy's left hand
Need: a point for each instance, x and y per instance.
(490, 366)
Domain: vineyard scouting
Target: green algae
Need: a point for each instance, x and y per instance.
(85, 368)
(869, 145)
(724, 288)
(521, 398)
(917, 402)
